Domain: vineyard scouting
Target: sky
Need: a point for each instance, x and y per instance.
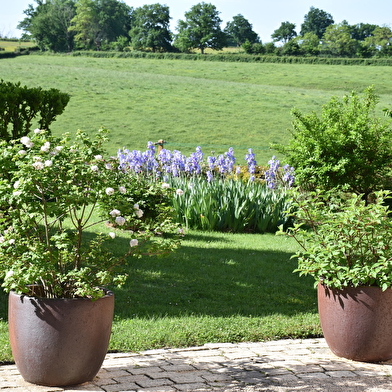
(265, 16)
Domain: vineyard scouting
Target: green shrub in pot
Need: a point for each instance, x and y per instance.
(344, 240)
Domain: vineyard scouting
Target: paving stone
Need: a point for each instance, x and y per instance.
(181, 367)
(120, 387)
(145, 370)
(149, 383)
(335, 366)
(314, 376)
(341, 374)
(185, 378)
(368, 373)
(162, 388)
(215, 377)
(284, 378)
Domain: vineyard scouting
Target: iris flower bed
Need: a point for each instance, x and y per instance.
(216, 193)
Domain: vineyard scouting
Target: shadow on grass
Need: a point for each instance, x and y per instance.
(218, 275)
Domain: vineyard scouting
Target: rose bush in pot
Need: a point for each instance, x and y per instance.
(346, 245)
(53, 191)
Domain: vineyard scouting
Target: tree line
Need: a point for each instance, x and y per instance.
(68, 25)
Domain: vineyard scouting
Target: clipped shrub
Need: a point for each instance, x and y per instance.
(21, 105)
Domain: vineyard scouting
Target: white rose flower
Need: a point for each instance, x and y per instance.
(122, 189)
(16, 184)
(48, 163)
(108, 166)
(2, 239)
(94, 168)
(139, 213)
(38, 165)
(12, 241)
(45, 147)
(25, 140)
(37, 131)
(179, 192)
(114, 213)
(120, 221)
(22, 152)
(109, 191)
(56, 150)
(134, 242)
(136, 206)
(98, 157)
(112, 235)
(9, 274)
(165, 185)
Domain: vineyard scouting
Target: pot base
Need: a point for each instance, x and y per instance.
(59, 342)
(357, 322)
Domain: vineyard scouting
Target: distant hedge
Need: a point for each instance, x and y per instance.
(17, 52)
(246, 58)
(7, 55)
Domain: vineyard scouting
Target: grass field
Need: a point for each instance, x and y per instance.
(189, 103)
(11, 46)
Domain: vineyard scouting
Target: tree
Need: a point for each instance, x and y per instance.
(200, 29)
(290, 48)
(381, 41)
(150, 28)
(309, 44)
(270, 48)
(285, 32)
(240, 30)
(48, 24)
(361, 31)
(255, 48)
(316, 21)
(97, 21)
(337, 41)
(347, 148)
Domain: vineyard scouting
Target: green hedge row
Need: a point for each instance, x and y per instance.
(240, 58)
(7, 55)
(17, 52)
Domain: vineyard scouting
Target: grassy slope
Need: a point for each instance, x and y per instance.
(189, 103)
(11, 46)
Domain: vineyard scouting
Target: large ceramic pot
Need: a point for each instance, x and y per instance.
(357, 322)
(59, 342)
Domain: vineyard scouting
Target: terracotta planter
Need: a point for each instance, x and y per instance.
(357, 322)
(59, 342)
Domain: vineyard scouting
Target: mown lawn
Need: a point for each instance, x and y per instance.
(218, 287)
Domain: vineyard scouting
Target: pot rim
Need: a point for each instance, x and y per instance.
(107, 293)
